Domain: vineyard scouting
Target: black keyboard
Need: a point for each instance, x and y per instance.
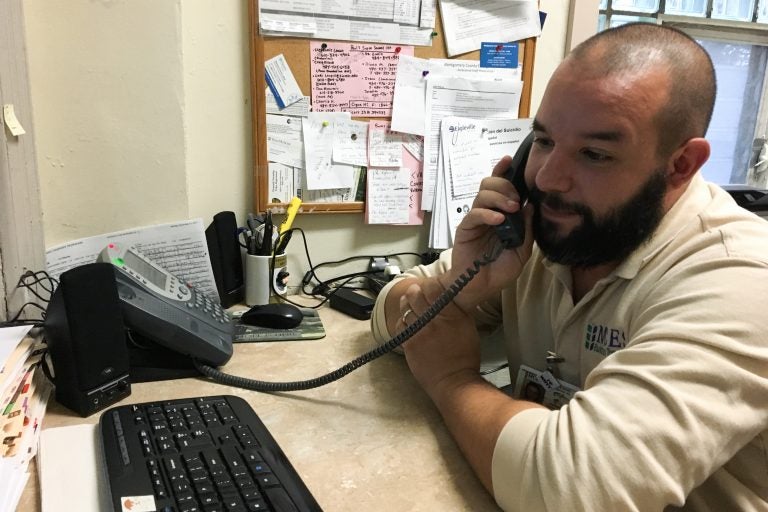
(205, 454)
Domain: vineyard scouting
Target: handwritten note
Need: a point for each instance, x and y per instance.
(354, 78)
(350, 142)
(385, 148)
(388, 195)
(413, 166)
(321, 172)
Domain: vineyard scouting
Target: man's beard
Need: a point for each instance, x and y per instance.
(596, 241)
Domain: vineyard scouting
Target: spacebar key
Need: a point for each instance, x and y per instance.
(280, 500)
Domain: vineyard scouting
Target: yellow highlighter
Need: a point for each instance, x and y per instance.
(293, 209)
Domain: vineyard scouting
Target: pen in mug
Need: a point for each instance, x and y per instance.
(259, 238)
(267, 243)
(284, 239)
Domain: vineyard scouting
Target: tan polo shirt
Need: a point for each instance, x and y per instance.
(671, 351)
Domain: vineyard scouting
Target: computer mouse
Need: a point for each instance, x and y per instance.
(273, 316)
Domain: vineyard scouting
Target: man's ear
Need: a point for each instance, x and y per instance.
(686, 160)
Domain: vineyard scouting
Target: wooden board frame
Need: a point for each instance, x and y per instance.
(296, 52)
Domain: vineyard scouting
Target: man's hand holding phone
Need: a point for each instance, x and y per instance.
(476, 235)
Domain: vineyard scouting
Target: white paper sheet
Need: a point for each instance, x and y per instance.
(385, 147)
(474, 99)
(343, 29)
(321, 172)
(281, 183)
(415, 145)
(409, 101)
(388, 196)
(331, 195)
(439, 232)
(10, 337)
(285, 144)
(350, 142)
(300, 108)
(428, 14)
(407, 12)
(178, 247)
(468, 23)
(472, 148)
(63, 449)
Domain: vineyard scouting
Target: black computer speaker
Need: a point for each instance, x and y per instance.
(86, 340)
(226, 259)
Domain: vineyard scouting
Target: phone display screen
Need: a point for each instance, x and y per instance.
(153, 275)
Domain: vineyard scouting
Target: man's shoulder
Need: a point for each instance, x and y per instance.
(739, 232)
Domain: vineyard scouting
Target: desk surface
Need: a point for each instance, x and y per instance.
(369, 441)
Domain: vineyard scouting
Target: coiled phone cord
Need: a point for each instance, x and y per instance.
(443, 300)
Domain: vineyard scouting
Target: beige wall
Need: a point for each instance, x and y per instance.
(141, 113)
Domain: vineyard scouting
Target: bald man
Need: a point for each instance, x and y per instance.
(638, 302)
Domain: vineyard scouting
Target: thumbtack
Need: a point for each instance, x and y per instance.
(499, 47)
(354, 136)
(325, 123)
(434, 34)
(323, 46)
(397, 50)
(424, 73)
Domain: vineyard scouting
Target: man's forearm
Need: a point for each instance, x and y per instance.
(476, 412)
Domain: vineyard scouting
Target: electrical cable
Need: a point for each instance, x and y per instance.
(310, 274)
(31, 280)
(39, 278)
(441, 302)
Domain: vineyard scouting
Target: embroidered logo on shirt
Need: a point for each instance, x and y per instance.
(604, 340)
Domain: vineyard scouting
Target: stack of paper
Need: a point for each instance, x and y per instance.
(62, 449)
(23, 397)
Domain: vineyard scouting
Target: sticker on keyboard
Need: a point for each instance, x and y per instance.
(138, 504)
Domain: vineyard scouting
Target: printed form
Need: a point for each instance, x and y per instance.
(377, 21)
(468, 23)
(409, 103)
(470, 148)
(459, 97)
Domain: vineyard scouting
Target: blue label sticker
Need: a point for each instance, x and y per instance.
(498, 55)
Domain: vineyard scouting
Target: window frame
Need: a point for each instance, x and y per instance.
(724, 30)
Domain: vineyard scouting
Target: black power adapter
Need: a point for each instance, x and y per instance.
(352, 303)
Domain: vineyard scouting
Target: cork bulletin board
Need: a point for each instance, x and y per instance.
(297, 53)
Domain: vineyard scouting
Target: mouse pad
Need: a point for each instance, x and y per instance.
(310, 328)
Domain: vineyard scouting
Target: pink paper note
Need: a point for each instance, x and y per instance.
(354, 77)
(414, 165)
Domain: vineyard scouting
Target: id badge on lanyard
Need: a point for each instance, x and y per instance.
(543, 387)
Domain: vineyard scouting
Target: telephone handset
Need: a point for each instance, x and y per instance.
(511, 232)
